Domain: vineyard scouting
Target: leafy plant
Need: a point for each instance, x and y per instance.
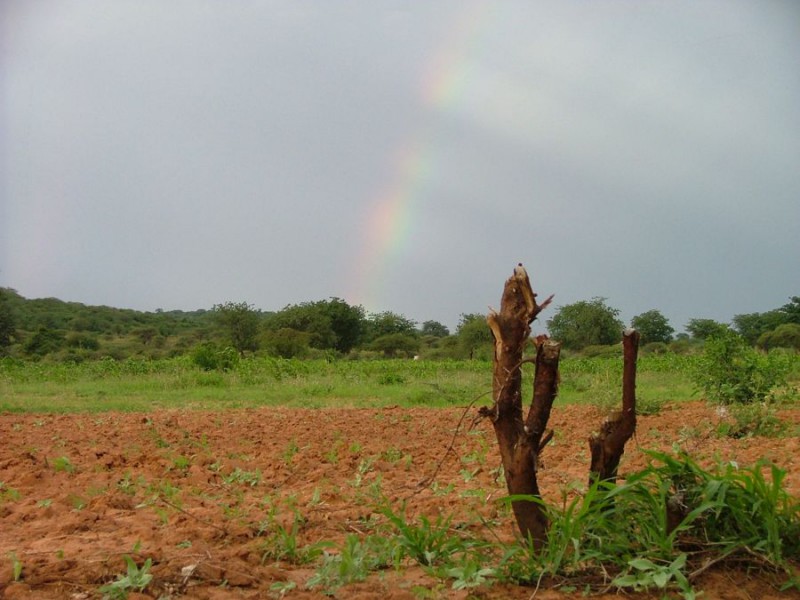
(354, 561)
(282, 542)
(16, 566)
(63, 464)
(8, 493)
(249, 478)
(732, 372)
(425, 542)
(136, 578)
(638, 530)
(645, 574)
(470, 574)
(751, 419)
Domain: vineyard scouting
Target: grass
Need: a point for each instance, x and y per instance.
(139, 385)
(607, 537)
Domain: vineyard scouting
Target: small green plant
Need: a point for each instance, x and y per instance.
(16, 566)
(8, 493)
(135, 579)
(239, 476)
(291, 450)
(126, 485)
(364, 467)
(332, 455)
(470, 573)
(392, 455)
(644, 575)
(353, 562)
(282, 542)
(280, 588)
(425, 542)
(63, 464)
(181, 463)
(759, 419)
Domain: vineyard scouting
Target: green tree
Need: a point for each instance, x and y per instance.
(792, 310)
(701, 329)
(393, 344)
(753, 325)
(473, 333)
(287, 343)
(586, 323)
(346, 321)
(784, 336)
(387, 322)
(331, 324)
(240, 322)
(45, 341)
(653, 327)
(8, 327)
(435, 329)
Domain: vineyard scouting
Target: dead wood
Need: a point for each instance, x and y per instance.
(522, 440)
(608, 445)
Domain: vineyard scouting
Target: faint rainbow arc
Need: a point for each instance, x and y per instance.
(389, 221)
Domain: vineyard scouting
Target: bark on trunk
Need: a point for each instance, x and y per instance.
(608, 445)
(522, 440)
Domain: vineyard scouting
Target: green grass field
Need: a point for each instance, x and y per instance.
(144, 385)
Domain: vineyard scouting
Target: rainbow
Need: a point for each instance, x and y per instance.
(390, 218)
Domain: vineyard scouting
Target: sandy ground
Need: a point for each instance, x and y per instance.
(191, 490)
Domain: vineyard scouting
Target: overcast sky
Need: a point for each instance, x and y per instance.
(401, 155)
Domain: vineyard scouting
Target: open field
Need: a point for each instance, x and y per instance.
(143, 385)
(241, 502)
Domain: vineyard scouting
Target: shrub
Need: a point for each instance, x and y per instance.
(731, 372)
(82, 341)
(209, 356)
(784, 336)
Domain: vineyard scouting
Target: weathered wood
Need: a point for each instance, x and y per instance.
(608, 445)
(521, 441)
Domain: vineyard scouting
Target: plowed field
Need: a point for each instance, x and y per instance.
(198, 493)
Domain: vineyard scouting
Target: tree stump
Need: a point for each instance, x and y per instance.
(608, 445)
(522, 440)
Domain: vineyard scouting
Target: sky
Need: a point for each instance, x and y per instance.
(401, 155)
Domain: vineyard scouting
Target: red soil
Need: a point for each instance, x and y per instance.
(82, 491)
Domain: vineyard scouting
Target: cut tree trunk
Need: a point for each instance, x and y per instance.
(521, 441)
(608, 445)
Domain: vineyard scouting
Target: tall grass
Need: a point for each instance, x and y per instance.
(666, 525)
(660, 530)
(140, 385)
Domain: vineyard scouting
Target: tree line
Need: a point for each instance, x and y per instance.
(58, 330)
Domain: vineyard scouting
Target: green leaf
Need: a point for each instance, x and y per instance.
(642, 564)
(661, 578)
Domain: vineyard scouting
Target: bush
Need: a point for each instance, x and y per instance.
(731, 372)
(82, 341)
(44, 342)
(784, 336)
(210, 357)
(751, 419)
(287, 343)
